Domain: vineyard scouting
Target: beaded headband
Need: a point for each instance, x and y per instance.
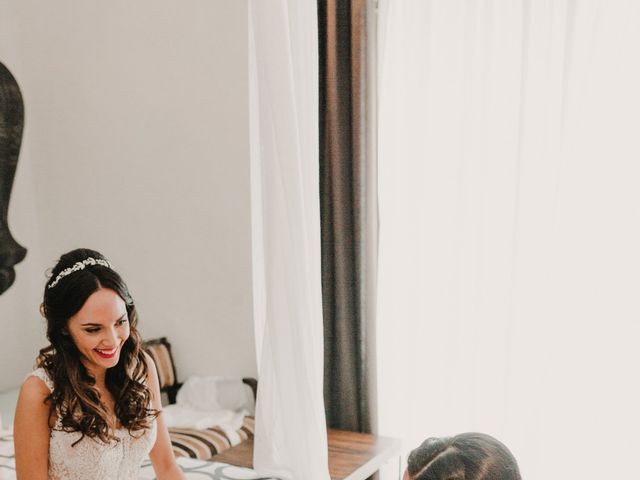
(79, 266)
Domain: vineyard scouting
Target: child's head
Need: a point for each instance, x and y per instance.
(468, 456)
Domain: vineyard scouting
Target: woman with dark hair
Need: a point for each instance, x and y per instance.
(468, 456)
(91, 409)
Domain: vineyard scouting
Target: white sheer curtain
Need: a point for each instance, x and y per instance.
(290, 438)
(509, 164)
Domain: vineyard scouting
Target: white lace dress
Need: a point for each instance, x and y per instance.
(91, 458)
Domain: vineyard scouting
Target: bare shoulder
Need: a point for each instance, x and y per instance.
(32, 403)
(33, 390)
(151, 365)
(152, 372)
(152, 381)
(31, 429)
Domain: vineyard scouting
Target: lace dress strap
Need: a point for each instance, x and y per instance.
(42, 374)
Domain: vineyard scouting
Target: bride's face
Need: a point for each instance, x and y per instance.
(99, 330)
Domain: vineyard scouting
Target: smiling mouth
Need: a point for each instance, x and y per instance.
(107, 353)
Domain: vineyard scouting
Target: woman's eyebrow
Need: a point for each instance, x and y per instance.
(99, 324)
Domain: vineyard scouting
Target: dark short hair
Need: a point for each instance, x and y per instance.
(468, 456)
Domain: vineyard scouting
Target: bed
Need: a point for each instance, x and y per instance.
(193, 468)
(201, 444)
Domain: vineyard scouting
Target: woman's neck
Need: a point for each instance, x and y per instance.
(99, 374)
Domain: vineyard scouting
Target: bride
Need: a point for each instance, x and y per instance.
(91, 409)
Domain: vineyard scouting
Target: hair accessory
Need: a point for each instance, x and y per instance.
(79, 266)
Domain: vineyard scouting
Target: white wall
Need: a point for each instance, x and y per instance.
(136, 144)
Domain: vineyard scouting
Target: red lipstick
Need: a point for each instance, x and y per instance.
(107, 353)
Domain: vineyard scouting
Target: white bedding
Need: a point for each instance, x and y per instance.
(194, 469)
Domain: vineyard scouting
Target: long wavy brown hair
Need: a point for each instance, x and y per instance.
(74, 399)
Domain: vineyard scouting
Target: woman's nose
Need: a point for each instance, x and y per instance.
(111, 337)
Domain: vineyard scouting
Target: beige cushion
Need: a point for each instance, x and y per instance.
(160, 352)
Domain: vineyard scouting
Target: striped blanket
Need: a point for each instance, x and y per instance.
(204, 444)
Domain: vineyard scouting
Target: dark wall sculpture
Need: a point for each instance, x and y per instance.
(11, 124)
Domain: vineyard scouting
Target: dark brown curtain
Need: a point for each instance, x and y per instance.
(348, 209)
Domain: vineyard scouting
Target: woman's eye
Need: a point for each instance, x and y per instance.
(123, 321)
(92, 330)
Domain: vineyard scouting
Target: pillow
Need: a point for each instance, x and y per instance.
(216, 393)
(160, 351)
